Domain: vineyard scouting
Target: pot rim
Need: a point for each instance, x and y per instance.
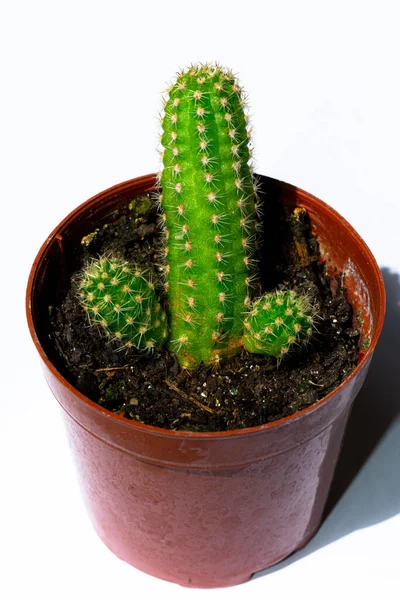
(147, 183)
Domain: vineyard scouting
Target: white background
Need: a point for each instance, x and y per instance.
(80, 92)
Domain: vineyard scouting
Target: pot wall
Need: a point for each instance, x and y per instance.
(205, 511)
(208, 510)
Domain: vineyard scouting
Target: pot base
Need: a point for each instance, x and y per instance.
(199, 581)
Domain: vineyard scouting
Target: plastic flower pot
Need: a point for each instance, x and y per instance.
(205, 509)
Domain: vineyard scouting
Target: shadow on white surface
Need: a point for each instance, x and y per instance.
(366, 486)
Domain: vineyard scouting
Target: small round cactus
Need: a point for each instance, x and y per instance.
(118, 296)
(278, 321)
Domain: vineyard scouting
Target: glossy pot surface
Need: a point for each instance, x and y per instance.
(205, 509)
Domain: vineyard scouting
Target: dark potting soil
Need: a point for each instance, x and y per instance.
(248, 390)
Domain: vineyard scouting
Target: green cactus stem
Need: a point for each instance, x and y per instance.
(208, 203)
(277, 322)
(117, 296)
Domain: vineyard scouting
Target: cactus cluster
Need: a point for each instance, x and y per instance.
(277, 322)
(118, 297)
(208, 209)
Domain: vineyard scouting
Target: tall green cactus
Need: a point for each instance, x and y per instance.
(208, 202)
(118, 296)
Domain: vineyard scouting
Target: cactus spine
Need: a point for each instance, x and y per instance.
(117, 296)
(277, 322)
(208, 202)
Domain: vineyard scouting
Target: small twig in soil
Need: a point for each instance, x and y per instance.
(187, 397)
(316, 384)
(103, 369)
(300, 251)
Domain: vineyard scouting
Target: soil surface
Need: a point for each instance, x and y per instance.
(246, 391)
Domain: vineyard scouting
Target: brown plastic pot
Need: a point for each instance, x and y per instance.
(205, 509)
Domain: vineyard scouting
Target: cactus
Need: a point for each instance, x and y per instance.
(208, 203)
(117, 296)
(277, 322)
(208, 210)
